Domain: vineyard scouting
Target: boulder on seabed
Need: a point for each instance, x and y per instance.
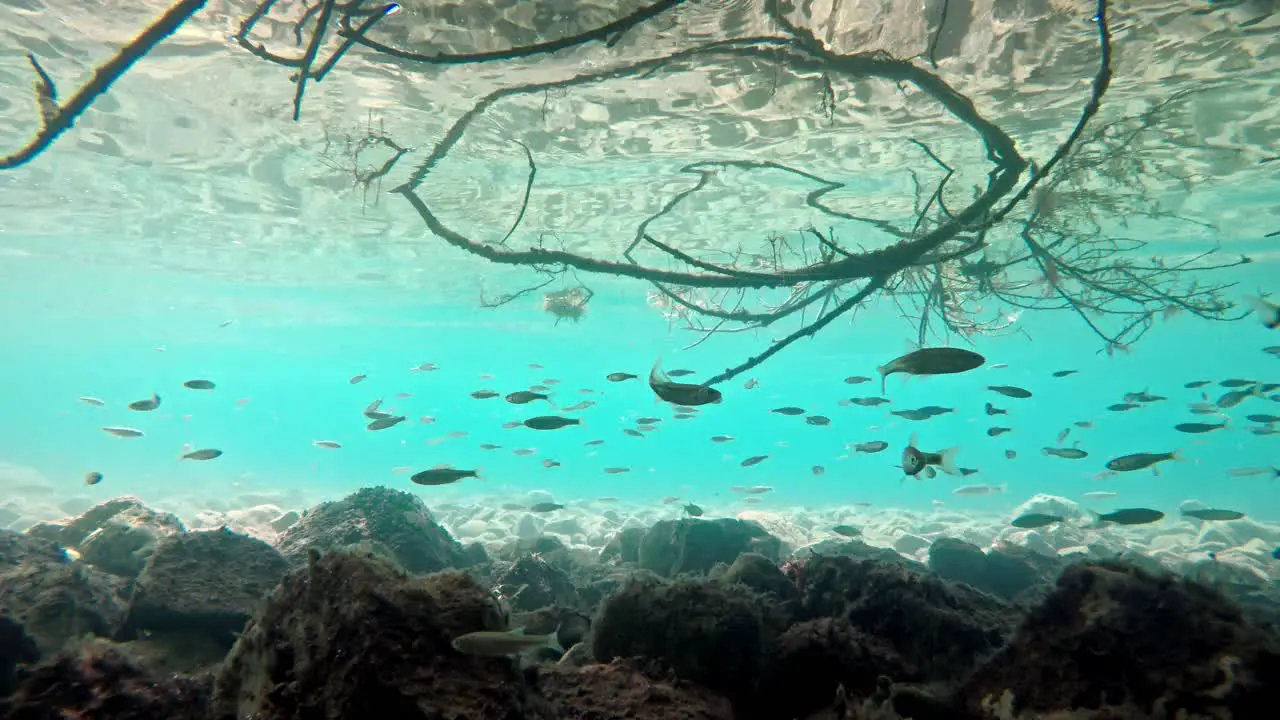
(55, 598)
(391, 522)
(671, 547)
(208, 581)
(117, 536)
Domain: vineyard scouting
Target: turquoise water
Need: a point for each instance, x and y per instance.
(282, 370)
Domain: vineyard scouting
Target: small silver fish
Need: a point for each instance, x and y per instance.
(124, 432)
(327, 444)
(979, 490)
(498, 644)
(91, 401)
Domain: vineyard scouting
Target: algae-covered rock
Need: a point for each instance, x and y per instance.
(209, 581)
(349, 634)
(389, 521)
(690, 545)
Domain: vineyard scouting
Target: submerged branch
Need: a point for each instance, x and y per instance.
(56, 119)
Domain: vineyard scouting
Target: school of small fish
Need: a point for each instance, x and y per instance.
(686, 401)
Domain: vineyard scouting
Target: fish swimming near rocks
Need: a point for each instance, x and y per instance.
(931, 361)
(1213, 514)
(443, 475)
(1030, 521)
(1128, 516)
(915, 460)
(489, 643)
(680, 393)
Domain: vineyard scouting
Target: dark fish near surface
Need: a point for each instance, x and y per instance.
(819, 420)
(788, 410)
(1122, 407)
(1235, 397)
(443, 475)
(550, 463)
(484, 394)
(874, 446)
(1068, 453)
(199, 384)
(357, 379)
(966, 472)
(490, 446)
(1213, 514)
(1197, 384)
(147, 405)
(868, 401)
(1198, 428)
(856, 379)
(993, 410)
(1036, 520)
(923, 413)
(1268, 312)
(207, 454)
(550, 422)
(1010, 454)
(92, 478)
(1237, 383)
(680, 393)
(648, 420)
(620, 376)
(520, 397)
(1143, 397)
(632, 432)
(616, 470)
(915, 461)
(931, 361)
(1010, 391)
(1129, 516)
(754, 460)
(684, 416)
(679, 373)
(1140, 461)
(818, 470)
(1064, 373)
(385, 422)
(721, 438)
(1263, 418)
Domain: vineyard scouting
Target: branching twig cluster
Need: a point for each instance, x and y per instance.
(1043, 241)
(344, 154)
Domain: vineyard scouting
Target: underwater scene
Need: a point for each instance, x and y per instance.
(639, 359)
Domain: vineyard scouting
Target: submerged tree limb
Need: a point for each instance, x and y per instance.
(56, 119)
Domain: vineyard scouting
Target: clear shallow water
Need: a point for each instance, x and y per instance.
(144, 229)
(95, 330)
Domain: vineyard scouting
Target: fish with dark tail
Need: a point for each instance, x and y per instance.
(931, 361)
(680, 393)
